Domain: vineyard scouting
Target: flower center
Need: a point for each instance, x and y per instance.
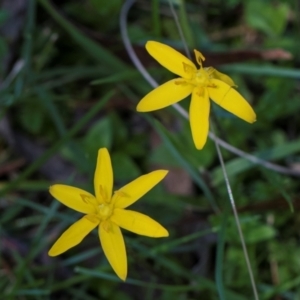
(201, 78)
(198, 77)
(104, 211)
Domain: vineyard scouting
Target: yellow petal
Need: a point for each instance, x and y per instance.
(114, 247)
(167, 94)
(170, 58)
(103, 179)
(74, 198)
(138, 223)
(74, 235)
(221, 76)
(137, 188)
(228, 98)
(199, 117)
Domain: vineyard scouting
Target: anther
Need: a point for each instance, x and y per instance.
(103, 194)
(106, 226)
(199, 57)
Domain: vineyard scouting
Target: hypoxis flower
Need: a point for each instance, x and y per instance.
(107, 211)
(202, 83)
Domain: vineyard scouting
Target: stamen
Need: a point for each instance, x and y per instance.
(118, 194)
(106, 226)
(121, 194)
(87, 199)
(188, 69)
(92, 218)
(212, 85)
(103, 194)
(210, 70)
(200, 92)
(180, 81)
(199, 57)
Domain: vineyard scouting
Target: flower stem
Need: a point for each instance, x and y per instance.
(238, 224)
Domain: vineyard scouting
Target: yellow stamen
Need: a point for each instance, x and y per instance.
(199, 57)
(103, 194)
(87, 199)
(188, 69)
(106, 225)
(92, 218)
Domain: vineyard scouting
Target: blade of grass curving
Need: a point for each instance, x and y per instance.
(78, 72)
(95, 50)
(198, 285)
(166, 246)
(114, 278)
(29, 185)
(185, 26)
(73, 147)
(274, 180)
(36, 246)
(81, 257)
(52, 210)
(32, 292)
(262, 70)
(50, 107)
(14, 72)
(185, 164)
(177, 269)
(72, 76)
(65, 284)
(10, 214)
(220, 256)
(52, 150)
(80, 294)
(120, 76)
(237, 221)
(44, 209)
(28, 281)
(172, 266)
(156, 23)
(25, 74)
(238, 165)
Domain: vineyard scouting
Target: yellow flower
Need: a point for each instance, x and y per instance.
(202, 83)
(108, 212)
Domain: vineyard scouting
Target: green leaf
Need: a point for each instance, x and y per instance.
(254, 229)
(32, 117)
(259, 233)
(125, 169)
(120, 76)
(270, 18)
(99, 135)
(120, 131)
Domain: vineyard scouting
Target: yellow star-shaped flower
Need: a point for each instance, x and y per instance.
(202, 83)
(108, 212)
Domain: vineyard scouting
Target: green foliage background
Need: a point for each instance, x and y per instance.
(76, 91)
